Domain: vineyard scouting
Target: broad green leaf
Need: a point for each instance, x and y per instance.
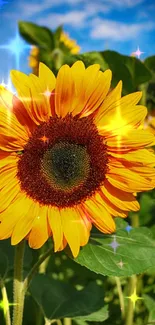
(37, 35)
(116, 63)
(4, 263)
(7, 252)
(57, 35)
(88, 59)
(98, 316)
(147, 208)
(136, 250)
(128, 69)
(58, 299)
(150, 304)
(139, 72)
(150, 63)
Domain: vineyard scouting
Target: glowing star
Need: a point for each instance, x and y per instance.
(47, 93)
(3, 2)
(4, 304)
(128, 228)
(134, 298)
(16, 46)
(44, 139)
(119, 126)
(114, 244)
(3, 83)
(138, 53)
(121, 264)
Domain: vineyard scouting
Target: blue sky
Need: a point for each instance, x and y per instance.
(119, 25)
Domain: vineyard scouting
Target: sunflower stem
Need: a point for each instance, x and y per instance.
(42, 270)
(5, 303)
(120, 294)
(19, 292)
(130, 306)
(67, 321)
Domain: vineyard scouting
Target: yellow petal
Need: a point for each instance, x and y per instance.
(70, 221)
(100, 217)
(136, 158)
(55, 222)
(122, 200)
(64, 91)
(10, 217)
(25, 220)
(133, 139)
(127, 180)
(111, 98)
(40, 231)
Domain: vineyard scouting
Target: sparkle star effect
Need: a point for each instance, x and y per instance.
(134, 298)
(119, 126)
(121, 264)
(4, 305)
(44, 139)
(114, 244)
(128, 228)
(16, 47)
(138, 53)
(8, 85)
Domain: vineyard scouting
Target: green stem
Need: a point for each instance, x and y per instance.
(42, 270)
(130, 307)
(19, 292)
(143, 88)
(121, 297)
(5, 303)
(67, 321)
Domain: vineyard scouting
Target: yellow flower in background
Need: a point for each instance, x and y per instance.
(64, 38)
(71, 44)
(72, 154)
(34, 58)
(150, 123)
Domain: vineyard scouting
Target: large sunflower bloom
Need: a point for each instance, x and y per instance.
(72, 155)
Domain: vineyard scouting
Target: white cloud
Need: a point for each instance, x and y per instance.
(31, 9)
(118, 31)
(75, 18)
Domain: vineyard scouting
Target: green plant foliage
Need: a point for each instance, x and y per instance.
(136, 249)
(36, 35)
(58, 299)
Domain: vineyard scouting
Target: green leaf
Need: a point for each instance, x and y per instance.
(98, 316)
(150, 63)
(3, 264)
(88, 59)
(147, 208)
(128, 69)
(37, 35)
(150, 304)
(116, 63)
(57, 35)
(58, 299)
(136, 250)
(7, 252)
(139, 72)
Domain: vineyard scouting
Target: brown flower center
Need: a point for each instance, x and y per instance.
(64, 162)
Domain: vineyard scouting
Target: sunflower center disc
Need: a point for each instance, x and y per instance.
(66, 166)
(64, 162)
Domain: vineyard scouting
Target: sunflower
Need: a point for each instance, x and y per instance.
(150, 123)
(72, 155)
(70, 43)
(34, 59)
